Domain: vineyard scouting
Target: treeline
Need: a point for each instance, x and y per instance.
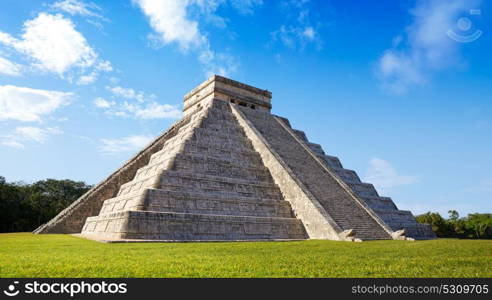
(24, 207)
(474, 226)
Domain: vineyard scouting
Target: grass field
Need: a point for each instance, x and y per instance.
(27, 255)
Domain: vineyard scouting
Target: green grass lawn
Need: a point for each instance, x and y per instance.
(28, 255)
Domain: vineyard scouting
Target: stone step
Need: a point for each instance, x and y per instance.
(347, 175)
(363, 189)
(229, 127)
(137, 184)
(229, 144)
(185, 201)
(419, 231)
(332, 196)
(124, 202)
(217, 114)
(331, 161)
(206, 135)
(250, 159)
(396, 216)
(248, 166)
(214, 204)
(148, 225)
(316, 148)
(221, 151)
(380, 203)
(220, 167)
(301, 134)
(165, 154)
(176, 180)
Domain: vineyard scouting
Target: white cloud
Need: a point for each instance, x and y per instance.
(28, 105)
(11, 143)
(9, 68)
(103, 103)
(426, 47)
(246, 6)
(218, 63)
(309, 33)
(35, 133)
(127, 93)
(296, 36)
(169, 19)
(483, 186)
(76, 7)
(172, 23)
(28, 134)
(299, 33)
(383, 175)
(104, 66)
(52, 44)
(87, 79)
(145, 108)
(152, 110)
(125, 144)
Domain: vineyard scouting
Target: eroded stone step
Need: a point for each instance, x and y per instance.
(347, 175)
(198, 203)
(380, 203)
(176, 180)
(221, 150)
(363, 189)
(208, 203)
(190, 227)
(204, 134)
(219, 167)
(335, 199)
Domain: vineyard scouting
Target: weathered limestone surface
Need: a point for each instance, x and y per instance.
(229, 170)
(384, 207)
(72, 218)
(206, 183)
(341, 206)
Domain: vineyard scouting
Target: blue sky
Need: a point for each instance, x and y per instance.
(399, 90)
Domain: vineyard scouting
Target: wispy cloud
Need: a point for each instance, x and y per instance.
(138, 105)
(301, 32)
(29, 105)
(9, 68)
(172, 24)
(383, 175)
(77, 7)
(425, 47)
(28, 134)
(52, 44)
(152, 111)
(124, 144)
(483, 186)
(245, 6)
(128, 93)
(103, 103)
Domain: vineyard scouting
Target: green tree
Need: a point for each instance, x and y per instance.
(439, 225)
(23, 207)
(453, 215)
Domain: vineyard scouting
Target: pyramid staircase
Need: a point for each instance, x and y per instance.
(383, 207)
(206, 183)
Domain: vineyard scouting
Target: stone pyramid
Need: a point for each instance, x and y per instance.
(230, 170)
